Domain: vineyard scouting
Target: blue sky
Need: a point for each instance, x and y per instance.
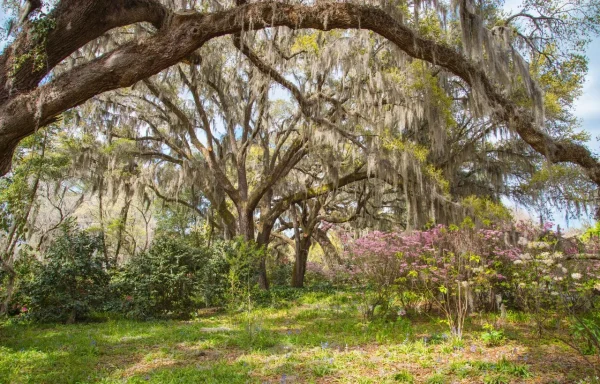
(588, 105)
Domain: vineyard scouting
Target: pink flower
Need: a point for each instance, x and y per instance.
(24, 309)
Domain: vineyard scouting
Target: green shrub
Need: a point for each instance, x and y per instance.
(585, 332)
(70, 283)
(161, 282)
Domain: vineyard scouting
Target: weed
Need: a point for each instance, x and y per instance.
(492, 337)
(404, 377)
(438, 378)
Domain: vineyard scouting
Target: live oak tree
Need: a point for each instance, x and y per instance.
(228, 143)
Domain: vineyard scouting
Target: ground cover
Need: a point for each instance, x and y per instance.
(318, 338)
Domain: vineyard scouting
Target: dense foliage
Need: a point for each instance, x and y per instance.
(70, 283)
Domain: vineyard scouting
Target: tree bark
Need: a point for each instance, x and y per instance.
(122, 222)
(262, 240)
(303, 246)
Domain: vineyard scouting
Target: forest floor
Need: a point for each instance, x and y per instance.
(316, 339)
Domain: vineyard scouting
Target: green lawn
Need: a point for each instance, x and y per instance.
(318, 339)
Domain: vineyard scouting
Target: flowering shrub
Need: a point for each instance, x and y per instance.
(554, 276)
(453, 268)
(462, 269)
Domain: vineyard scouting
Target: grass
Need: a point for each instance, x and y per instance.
(317, 339)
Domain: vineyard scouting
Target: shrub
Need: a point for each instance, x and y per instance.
(242, 259)
(451, 267)
(71, 282)
(161, 282)
(404, 376)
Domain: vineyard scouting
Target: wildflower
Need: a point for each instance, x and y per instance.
(518, 262)
(24, 309)
(576, 276)
(525, 256)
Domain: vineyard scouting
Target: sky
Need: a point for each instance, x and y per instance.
(588, 105)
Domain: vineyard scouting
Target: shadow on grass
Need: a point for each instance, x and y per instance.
(304, 342)
(114, 350)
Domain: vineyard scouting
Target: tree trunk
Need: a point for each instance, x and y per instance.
(300, 263)
(302, 241)
(246, 229)
(262, 240)
(101, 219)
(245, 224)
(10, 286)
(123, 222)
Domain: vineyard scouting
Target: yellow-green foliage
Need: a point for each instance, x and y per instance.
(591, 232)
(39, 33)
(430, 26)
(119, 146)
(391, 143)
(418, 152)
(437, 175)
(307, 42)
(425, 82)
(561, 83)
(487, 211)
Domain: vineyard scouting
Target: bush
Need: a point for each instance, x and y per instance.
(450, 267)
(70, 283)
(242, 259)
(161, 282)
(174, 279)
